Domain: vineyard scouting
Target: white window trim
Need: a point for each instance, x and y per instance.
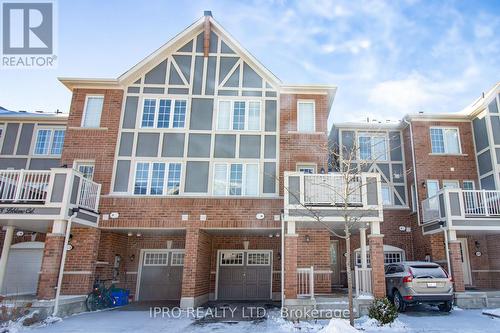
(372, 153)
(454, 181)
(51, 139)
(427, 182)
(150, 178)
(167, 254)
(391, 195)
(176, 253)
(304, 101)
(231, 115)
(157, 111)
(469, 181)
(79, 163)
(84, 113)
(413, 196)
(230, 252)
(266, 253)
(444, 140)
(300, 165)
(243, 178)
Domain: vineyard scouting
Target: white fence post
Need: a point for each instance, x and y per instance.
(311, 281)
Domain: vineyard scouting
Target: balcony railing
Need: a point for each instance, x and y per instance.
(328, 195)
(49, 187)
(460, 204)
(305, 282)
(24, 185)
(363, 281)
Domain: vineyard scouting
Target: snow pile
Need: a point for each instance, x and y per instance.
(492, 312)
(338, 326)
(372, 325)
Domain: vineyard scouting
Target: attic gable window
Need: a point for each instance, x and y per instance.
(163, 113)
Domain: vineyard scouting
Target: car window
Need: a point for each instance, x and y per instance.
(399, 269)
(390, 269)
(427, 271)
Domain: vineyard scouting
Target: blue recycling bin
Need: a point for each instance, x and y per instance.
(120, 296)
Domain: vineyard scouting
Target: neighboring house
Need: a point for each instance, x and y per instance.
(187, 178)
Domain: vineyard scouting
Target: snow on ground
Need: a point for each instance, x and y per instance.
(458, 321)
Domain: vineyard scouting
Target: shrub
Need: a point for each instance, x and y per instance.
(383, 311)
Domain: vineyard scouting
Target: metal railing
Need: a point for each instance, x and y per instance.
(363, 281)
(328, 189)
(89, 194)
(305, 282)
(24, 185)
(481, 202)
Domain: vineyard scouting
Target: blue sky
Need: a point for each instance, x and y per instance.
(388, 58)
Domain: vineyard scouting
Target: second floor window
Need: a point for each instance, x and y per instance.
(372, 147)
(386, 195)
(163, 113)
(85, 168)
(238, 115)
(92, 112)
(445, 141)
(306, 116)
(154, 178)
(236, 179)
(49, 142)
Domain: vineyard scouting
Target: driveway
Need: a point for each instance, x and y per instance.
(128, 321)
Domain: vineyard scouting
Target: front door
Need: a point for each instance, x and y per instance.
(334, 262)
(464, 255)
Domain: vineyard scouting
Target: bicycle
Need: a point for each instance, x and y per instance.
(100, 297)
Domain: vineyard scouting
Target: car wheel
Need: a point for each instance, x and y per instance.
(446, 306)
(399, 303)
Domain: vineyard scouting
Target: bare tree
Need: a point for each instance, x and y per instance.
(344, 192)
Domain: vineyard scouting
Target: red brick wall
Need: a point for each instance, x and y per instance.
(51, 261)
(94, 144)
(301, 147)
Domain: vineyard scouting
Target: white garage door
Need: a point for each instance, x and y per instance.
(23, 268)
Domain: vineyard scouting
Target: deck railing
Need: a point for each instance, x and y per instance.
(89, 194)
(305, 282)
(24, 185)
(328, 189)
(363, 281)
(458, 203)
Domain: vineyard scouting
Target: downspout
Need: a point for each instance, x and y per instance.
(63, 261)
(417, 203)
(282, 260)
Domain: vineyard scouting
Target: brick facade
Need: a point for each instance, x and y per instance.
(49, 272)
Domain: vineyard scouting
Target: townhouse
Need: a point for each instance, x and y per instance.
(192, 177)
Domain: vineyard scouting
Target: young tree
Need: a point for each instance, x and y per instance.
(344, 191)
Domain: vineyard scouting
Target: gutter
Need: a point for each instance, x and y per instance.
(417, 198)
(63, 261)
(282, 260)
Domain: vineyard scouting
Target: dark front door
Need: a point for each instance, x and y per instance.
(334, 262)
(244, 275)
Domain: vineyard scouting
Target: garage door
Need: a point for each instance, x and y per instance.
(244, 275)
(23, 268)
(161, 275)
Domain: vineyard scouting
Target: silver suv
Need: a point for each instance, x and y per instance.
(414, 282)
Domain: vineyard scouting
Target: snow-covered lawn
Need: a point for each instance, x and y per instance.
(459, 321)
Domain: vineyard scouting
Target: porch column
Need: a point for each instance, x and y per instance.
(376, 243)
(457, 272)
(51, 261)
(291, 241)
(7, 242)
(362, 240)
(196, 272)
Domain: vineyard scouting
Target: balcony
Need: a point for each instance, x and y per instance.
(35, 196)
(462, 210)
(330, 197)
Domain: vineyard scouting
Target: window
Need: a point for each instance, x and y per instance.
(150, 178)
(386, 195)
(451, 184)
(432, 188)
(177, 258)
(468, 185)
(390, 257)
(49, 142)
(372, 147)
(306, 168)
(239, 115)
(156, 259)
(158, 113)
(445, 141)
(231, 259)
(92, 112)
(258, 259)
(236, 179)
(306, 116)
(85, 168)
